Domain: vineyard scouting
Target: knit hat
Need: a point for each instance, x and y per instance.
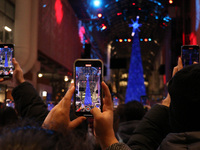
(184, 90)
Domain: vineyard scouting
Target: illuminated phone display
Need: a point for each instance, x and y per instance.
(88, 78)
(189, 54)
(6, 55)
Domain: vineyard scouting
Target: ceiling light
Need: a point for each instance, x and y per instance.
(40, 75)
(44, 93)
(7, 28)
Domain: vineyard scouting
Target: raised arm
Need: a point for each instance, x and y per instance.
(28, 103)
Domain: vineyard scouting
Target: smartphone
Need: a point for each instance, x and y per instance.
(88, 74)
(6, 65)
(189, 54)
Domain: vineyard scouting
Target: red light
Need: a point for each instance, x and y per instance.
(171, 1)
(145, 39)
(133, 3)
(139, 8)
(129, 40)
(99, 15)
(59, 11)
(151, 14)
(118, 14)
(120, 40)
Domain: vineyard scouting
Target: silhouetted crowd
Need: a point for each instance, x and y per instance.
(170, 125)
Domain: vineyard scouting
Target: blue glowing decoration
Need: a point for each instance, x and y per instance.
(117, 40)
(141, 40)
(167, 18)
(44, 5)
(106, 5)
(88, 99)
(125, 40)
(97, 3)
(156, 2)
(156, 17)
(135, 87)
(149, 39)
(135, 25)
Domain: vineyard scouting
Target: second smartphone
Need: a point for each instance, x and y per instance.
(6, 55)
(189, 54)
(88, 74)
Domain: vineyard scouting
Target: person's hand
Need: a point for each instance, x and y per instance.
(58, 118)
(167, 100)
(18, 77)
(103, 121)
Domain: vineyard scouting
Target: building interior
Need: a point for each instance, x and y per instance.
(49, 35)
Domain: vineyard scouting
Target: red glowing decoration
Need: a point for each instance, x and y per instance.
(120, 40)
(133, 3)
(81, 33)
(139, 8)
(129, 40)
(58, 11)
(118, 14)
(145, 39)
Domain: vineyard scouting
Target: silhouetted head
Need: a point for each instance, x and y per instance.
(132, 110)
(8, 116)
(184, 90)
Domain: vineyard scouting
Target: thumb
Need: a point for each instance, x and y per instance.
(95, 112)
(15, 63)
(76, 122)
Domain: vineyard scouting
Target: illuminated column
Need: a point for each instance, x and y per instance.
(25, 33)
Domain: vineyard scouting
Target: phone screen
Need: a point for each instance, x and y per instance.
(88, 78)
(6, 55)
(189, 54)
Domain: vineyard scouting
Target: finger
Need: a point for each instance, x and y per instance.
(107, 98)
(76, 122)
(66, 100)
(15, 63)
(180, 64)
(72, 84)
(95, 112)
(175, 70)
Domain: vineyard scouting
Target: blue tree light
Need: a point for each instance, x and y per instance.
(88, 99)
(135, 88)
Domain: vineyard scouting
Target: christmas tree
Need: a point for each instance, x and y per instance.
(135, 87)
(88, 99)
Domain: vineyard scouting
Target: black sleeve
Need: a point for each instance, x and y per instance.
(118, 146)
(152, 129)
(28, 103)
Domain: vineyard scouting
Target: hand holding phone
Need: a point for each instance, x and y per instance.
(189, 54)
(87, 81)
(6, 65)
